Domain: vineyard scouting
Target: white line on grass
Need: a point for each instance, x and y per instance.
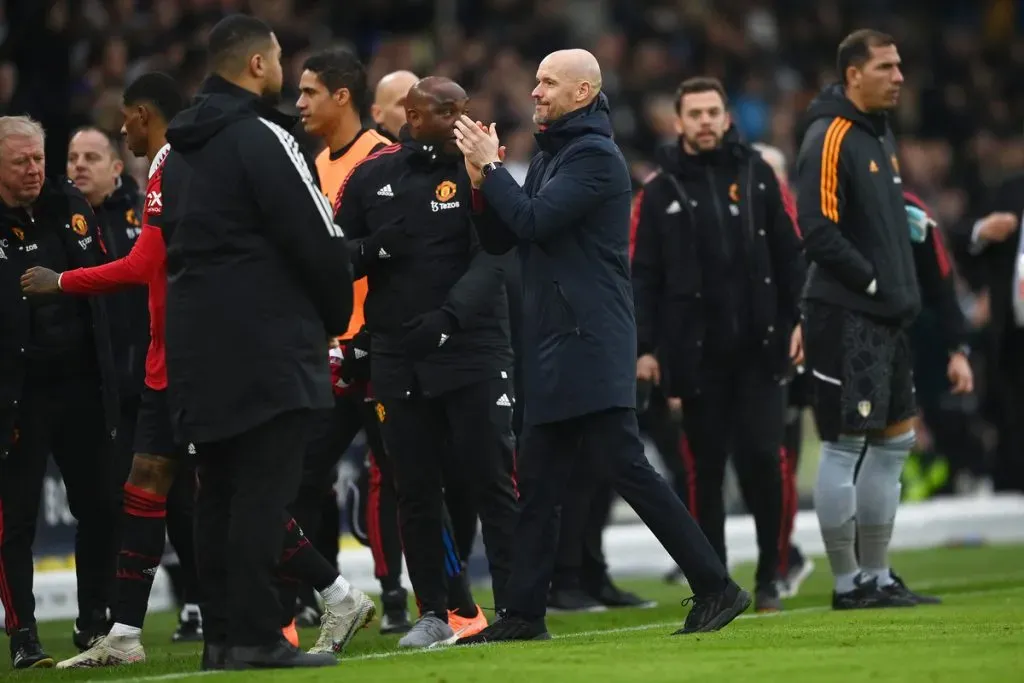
(952, 583)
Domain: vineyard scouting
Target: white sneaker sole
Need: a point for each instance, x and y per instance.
(789, 589)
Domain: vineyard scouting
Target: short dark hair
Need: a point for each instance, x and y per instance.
(699, 84)
(339, 68)
(114, 143)
(233, 40)
(157, 89)
(855, 50)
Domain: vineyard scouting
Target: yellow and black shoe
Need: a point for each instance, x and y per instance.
(26, 652)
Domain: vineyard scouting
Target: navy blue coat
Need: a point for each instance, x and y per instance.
(570, 221)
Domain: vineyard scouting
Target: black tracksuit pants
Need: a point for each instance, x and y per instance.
(63, 417)
(332, 432)
(741, 411)
(245, 484)
(609, 444)
(461, 439)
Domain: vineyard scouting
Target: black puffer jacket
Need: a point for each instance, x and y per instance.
(716, 266)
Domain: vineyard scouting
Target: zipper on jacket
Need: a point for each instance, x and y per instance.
(568, 307)
(752, 237)
(734, 324)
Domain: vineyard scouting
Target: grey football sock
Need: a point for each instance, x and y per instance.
(878, 498)
(836, 504)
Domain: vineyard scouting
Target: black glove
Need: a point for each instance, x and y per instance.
(356, 364)
(389, 242)
(644, 387)
(427, 332)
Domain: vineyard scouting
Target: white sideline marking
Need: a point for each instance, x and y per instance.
(630, 629)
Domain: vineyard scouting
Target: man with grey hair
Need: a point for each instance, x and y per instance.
(58, 391)
(570, 223)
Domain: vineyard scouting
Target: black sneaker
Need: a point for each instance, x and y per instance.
(395, 618)
(509, 628)
(89, 631)
(214, 656)
(867, 595)
(899, 588)
(573, 600)
(279, 655)
(714, 611)
(611, 595)
(190, 627)
(27, 653)
(766, 599)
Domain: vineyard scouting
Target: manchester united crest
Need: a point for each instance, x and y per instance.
(895, 163)
(19, 233)
(445, 192)
(79, 225)
(734, 193)
(381, 413)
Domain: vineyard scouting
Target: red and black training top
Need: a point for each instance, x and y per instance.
(145, 264)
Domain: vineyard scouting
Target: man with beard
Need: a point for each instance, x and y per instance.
(717, 274)
(442, 362)
(258, 281)
(862, 295)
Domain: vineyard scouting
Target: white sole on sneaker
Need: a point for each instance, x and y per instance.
(790, 588)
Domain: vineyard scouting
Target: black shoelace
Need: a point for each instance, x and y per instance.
(698, 613)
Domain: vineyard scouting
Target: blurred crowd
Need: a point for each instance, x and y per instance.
(66, 63)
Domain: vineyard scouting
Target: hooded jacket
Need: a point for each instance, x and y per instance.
(851, 212)
(570, 221)
(717, 268)
(258, 274)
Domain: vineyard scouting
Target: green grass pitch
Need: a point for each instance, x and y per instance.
(977, 635)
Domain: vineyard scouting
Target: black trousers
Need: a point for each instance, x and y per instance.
(740, 412)
(1008, 394)
(464, 440)
(245, 484)
(609, 444)
(332, 432)
(666, 433)
(121, 454)
(580, 563)
(63, 417)
(181, 530)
